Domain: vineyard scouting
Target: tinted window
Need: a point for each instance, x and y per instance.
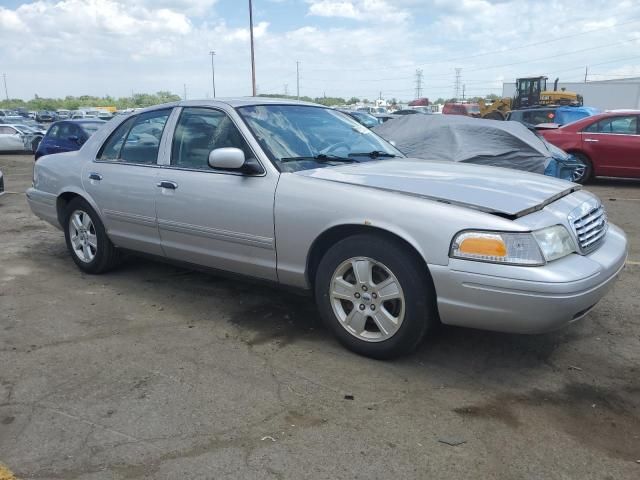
(137, 140)
(200, 130)
(621, 125)
(6, 130)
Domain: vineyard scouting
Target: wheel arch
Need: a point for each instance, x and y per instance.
(334, 234)
(66, 196)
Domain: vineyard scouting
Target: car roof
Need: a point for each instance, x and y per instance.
(232, 102)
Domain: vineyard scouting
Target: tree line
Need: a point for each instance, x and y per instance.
(69, 102)
(138, 100)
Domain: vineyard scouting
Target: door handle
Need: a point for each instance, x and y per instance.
(591, 140)
(95, 176)
(168, 184)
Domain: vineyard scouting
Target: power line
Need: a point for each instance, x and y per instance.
(493, 52)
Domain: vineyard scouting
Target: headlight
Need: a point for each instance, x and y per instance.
(555, 242)
(497, 247)
(528, 249)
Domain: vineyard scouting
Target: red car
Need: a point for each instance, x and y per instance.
(467, 109)
(608, 143)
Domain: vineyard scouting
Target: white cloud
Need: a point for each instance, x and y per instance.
(346, 47)
(364, 10)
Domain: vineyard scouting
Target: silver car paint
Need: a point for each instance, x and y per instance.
(497, 190)
(256, 216)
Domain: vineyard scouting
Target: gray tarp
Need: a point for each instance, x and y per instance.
(465, 139)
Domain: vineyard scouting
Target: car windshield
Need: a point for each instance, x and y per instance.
(298, 137)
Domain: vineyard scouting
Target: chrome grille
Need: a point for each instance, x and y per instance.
(589, 222)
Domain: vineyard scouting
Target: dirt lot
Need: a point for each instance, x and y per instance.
(157, 372)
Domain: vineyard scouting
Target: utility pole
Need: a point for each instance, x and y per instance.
(184, 89)
(253, 59)
(298, 79)
(286, 89)
(6, 92)
(457, 84)
(586, 72)
(418, 83)
(463, 89)
(213, 73)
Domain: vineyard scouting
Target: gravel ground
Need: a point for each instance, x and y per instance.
(156, 372)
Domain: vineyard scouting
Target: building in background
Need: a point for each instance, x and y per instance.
(602, 94)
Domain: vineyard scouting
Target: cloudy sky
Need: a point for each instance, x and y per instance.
(345, 47)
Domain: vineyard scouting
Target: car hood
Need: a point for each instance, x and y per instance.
(502, 191)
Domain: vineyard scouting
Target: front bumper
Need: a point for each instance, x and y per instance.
(528, 299)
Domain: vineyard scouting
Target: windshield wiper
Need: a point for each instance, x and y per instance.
(372, 154)
(321, 158)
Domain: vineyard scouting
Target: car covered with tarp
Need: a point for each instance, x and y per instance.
(479, 141)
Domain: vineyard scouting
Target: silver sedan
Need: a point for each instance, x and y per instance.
(304, 196)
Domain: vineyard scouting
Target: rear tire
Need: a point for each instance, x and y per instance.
(375, 296)
(87, 239)
(587, 173)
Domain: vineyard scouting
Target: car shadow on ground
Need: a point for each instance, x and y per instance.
(265, 313)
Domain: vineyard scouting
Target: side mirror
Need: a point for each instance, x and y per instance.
(226, 158)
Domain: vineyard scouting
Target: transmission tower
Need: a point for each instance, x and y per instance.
(457, 84)
(418, 83)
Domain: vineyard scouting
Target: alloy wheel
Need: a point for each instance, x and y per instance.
(82, 234)
(367, 299)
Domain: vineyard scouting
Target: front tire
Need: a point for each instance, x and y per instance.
(375, 296)
(585, 174)
(87, 239)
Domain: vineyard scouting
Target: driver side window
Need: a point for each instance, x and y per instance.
(198, 132)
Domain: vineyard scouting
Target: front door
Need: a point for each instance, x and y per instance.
(123, 181)
(217, 218)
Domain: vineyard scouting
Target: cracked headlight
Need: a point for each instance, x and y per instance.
(555, 242)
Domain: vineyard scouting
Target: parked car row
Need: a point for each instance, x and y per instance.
(306, 197)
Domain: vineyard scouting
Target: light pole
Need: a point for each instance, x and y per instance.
(253, 61)
(213, 73)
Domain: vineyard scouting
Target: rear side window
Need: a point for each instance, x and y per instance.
(6, 130)
(137, 140)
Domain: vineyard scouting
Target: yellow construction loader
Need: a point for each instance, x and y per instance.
(530, 92)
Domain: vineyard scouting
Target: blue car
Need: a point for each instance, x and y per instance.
(531, 117)
(67, 136)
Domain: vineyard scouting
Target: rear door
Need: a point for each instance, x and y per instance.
(122, 180)
(613, 145)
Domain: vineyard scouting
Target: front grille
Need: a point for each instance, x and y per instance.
(590, 227)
